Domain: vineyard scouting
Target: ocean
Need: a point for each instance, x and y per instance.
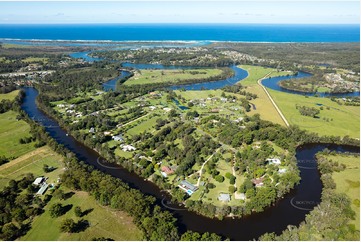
(183, 32)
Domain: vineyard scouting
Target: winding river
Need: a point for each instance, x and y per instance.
(272, 83)
(291, 210)
(239, 74)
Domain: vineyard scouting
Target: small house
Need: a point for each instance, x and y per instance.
(118, 137)
(224, 197)
(42, 189)
(128, 148)
(258, 182)
(187, 187)
(38, 181)
(274, 161)
(223, 99)
(167, 170)
(282, 170)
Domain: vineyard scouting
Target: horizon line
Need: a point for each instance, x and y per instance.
(147, 23)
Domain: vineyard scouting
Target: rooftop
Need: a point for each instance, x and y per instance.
(224, 197)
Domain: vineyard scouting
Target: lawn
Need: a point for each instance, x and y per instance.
(35, 59)
(263, 105)
(32, 162)
(146, 125)
(11, 131)
(192, 95)
(104, 222)
(345, 119)
(348, 181)
(9, 96)
(172, 76)
(220, 187)
(121, 153)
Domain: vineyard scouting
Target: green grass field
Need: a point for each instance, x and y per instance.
(146, 125)
(9, 96)
(8, 46)
(104, 222)
(348, 181)
(170, 76)
(345, 119)
(263, 104)
(35, 59)
(191, 95)
(121, 153)
(32, 162)
(11, 131)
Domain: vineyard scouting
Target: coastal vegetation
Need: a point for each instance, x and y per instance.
(219, 153)
(178, 76)
(337, 217)
(328, 83)
(286, 55)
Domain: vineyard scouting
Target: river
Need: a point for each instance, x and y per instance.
(274, 219)
(272, 83)
(239, 74)
(291, 210)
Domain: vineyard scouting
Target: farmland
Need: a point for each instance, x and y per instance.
(171, 76)
(11, 131)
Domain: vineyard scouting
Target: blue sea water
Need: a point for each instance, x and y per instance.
(184, 32)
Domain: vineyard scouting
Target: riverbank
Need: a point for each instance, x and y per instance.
(316, 90)
(227, 227)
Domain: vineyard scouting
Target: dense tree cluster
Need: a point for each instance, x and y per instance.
(6, 105)
(184, 57)
(17, 207)
(330, 220)
(155, 223)
(308, 111)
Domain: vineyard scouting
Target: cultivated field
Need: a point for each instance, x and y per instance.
(11, 131)
(170, 76)
(32, 162)
(342, 120)
(263, 104)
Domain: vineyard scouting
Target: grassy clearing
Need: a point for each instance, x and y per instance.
(8, 46)
(9, 96)
(104, 222)
(348, 181)
(121, 153)
(345, 119)
(263, 104)
(32, 162)
(11, 131)
(147, 125)
(172, 76)
(35, 59)
(191, 95)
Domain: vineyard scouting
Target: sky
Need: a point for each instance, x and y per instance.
(241, 11)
